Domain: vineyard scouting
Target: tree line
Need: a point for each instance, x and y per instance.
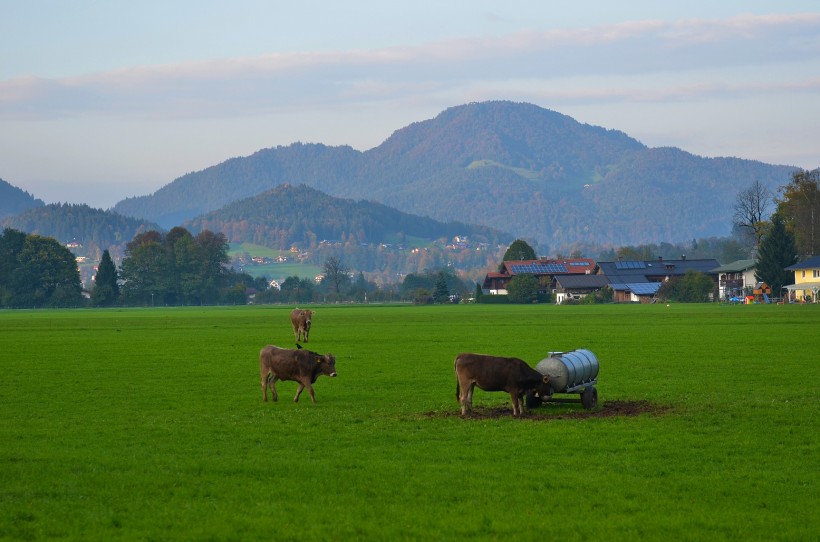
(780, 238)
(179, 268)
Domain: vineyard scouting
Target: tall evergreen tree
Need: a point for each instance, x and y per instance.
(777, 252)
(106, 290)
(441, 294)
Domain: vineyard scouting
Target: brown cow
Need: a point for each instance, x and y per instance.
(301, 365)
(492, 373)
(300, 320)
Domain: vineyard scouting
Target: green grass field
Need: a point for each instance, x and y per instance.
(148, 424)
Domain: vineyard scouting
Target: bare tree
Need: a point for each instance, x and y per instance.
(335, 273)
(752, 207)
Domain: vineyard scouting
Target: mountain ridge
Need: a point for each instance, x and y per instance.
(514, 167)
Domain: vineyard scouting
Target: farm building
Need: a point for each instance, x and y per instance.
(806, 280)
(638, 281)
(546, 271)
(577, 286)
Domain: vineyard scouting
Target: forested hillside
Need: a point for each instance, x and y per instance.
(515, 167)
(94, 229)
(303, 216)
(369, 237)
(14, 200)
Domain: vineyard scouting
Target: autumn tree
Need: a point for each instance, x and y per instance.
(176, 268)
(800, 209)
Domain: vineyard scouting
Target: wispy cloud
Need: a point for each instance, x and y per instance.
(685, 50)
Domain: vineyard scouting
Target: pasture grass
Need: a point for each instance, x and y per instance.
(124, 424)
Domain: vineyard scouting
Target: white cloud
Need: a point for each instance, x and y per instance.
(249, 85)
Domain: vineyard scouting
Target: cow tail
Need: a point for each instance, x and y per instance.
(458, 387)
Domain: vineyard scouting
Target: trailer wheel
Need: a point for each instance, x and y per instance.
(589, 398)
(532, 400)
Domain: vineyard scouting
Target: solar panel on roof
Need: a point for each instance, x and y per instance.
(538, 268)
(644, 288)
(579, 264)
(630, 265)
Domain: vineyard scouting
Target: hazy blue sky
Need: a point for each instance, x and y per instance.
(100, 100)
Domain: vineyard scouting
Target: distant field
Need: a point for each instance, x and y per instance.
(277, 271)
(148, 424)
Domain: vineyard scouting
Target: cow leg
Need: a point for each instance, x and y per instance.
(272, 382)
(467, 399)
(298, 392)
(516, 403)
(264, 388)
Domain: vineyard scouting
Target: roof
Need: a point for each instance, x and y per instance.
(575, 266)
(638, 288)
(810, 263)
(803, 286)
(636, 271)
(735, 267)
(582, 281)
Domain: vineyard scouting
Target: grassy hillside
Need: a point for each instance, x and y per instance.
(149, 424)
(274, 270)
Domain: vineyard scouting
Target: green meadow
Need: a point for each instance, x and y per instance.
(148, 424)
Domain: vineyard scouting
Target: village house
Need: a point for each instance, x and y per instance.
(545, 270)
(576, 287)
(638, 281)
(806, 280)
(736, 279)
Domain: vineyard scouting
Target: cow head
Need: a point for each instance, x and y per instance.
(545, 389)
(307, 315)
(327, 364)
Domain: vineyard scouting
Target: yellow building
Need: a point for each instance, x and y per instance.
(806, 280)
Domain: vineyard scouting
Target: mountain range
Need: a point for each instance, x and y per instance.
(509, 170)
(514, 167)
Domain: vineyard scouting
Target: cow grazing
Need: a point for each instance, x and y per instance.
(492, 373)
(301, 365)
(300, 320)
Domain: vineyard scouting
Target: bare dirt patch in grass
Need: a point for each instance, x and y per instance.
(549, 412)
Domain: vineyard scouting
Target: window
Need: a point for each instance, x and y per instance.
(815, 273)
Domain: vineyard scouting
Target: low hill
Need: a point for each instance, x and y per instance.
(514, 167)
(299, 215)
(94, 229)
(13, 200)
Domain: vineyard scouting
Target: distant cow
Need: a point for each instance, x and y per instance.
(300, 319)
(302, 366)
(492, 373)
